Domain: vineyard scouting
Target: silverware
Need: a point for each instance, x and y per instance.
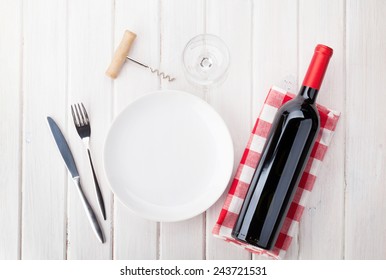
(70, 164)
(82, 124)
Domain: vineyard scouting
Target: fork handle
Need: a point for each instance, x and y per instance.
(97, 188)
(89, 211)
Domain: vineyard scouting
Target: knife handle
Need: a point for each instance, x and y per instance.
(89, 211)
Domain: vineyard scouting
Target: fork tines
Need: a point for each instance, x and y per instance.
(79, 114)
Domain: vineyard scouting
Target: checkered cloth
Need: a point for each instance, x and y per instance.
(228, 215)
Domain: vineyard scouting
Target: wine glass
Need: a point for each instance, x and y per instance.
(206, 60)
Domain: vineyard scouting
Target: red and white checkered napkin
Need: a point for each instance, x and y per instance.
(228, 215)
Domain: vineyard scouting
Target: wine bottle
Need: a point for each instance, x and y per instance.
(283, 159)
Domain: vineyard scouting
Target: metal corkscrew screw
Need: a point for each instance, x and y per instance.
(121, 54)
(153, 70)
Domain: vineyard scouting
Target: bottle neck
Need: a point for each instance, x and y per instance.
(318, 66)
(309, 94)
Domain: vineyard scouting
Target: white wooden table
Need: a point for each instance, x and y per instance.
(54, 53)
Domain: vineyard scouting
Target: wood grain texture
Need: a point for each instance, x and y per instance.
(135, 237)
(325, 207)
(365, 226)
(274, 56)
(275, 47)
(231, 99)
(10, 128)
(54, 53)
(44, 94)
(180, 21)
(89, 26)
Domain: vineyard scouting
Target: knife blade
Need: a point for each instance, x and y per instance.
(63, 147)
(69, 161)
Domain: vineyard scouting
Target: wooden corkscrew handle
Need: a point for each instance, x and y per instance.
(120, 54)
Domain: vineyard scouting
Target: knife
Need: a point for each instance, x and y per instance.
(70, 164)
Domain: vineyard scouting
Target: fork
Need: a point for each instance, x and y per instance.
(82, 125)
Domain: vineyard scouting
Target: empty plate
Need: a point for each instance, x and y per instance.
(168, 156)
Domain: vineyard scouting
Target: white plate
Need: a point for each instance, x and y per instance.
(168, 156)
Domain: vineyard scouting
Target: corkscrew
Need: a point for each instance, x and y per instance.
(153, 70)
(121, 54)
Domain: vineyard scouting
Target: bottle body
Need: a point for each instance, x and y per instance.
(283, 159)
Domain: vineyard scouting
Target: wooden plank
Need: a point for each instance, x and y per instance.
(10, 127)
(135, 237)
(180, 21)
(274, 47)
(274, 55)
(365, 226)
(231, 99)
(89, 48)
(326, 204)
(44, 88)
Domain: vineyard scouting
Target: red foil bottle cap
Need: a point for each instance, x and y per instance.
(318, 67)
